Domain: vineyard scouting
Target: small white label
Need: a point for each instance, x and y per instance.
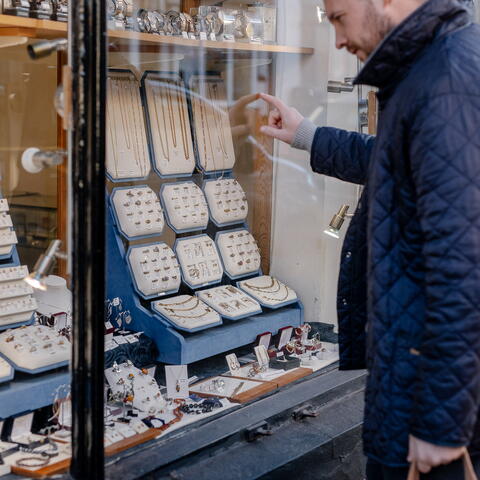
(213, 37)
(256, 40)
(203, 36)
(228, 37)
(120, 340)
(177, 381)
(131, 339)
(185, 35)
(192, 36)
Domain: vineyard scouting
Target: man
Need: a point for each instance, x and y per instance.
(410, 275)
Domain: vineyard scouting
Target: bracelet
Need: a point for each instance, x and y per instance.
(26, 462)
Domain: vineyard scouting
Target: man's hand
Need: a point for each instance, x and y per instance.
(283, 121)
(427, 456)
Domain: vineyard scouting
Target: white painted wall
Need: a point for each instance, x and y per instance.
(304, 202)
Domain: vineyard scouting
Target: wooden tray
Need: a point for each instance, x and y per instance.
(43, 472)
(289, 376)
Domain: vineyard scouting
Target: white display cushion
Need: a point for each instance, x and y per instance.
(8, 238)
(18, 309)
(5, 220)
(227, 201)
(127, 149)
(16, 288)
(268, 290)
(126, 380)
(13, 273)
(224, 386)
(239, 251)
(212, 124)
(230, 301)
(3, 205)
(199, 260)
(34, 347)
(6, 370)
(138, 211)
(171, 136)
(186, 311)
(186, 206)
(155, 269)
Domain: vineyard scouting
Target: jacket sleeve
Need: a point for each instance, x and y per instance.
(445, 166)
(341, 154)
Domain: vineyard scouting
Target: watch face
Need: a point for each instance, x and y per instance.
(151, 23)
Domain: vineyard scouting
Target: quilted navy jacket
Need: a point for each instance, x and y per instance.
(409, 287)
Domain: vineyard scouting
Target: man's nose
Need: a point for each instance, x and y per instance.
(340, 41)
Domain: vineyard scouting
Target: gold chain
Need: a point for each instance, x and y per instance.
(123, 112)
(171, 114)
(204, 120)
(183, 122)
(137, 121)
(217, 117)
(167, 305)
(110, 123)
(255, 287)
(157, 117)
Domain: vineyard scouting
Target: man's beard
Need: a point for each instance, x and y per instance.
(376, 27)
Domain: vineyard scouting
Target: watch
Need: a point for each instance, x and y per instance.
(177, 22)
(215, 22)
(151, 22)
(161, 21)
(141, 20)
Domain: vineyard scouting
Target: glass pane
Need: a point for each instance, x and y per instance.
(216, 251)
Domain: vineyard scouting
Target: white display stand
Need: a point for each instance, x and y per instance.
(187, 312)
(227, 201)
(155, 269)
(186, 206)
(5, 220)
(16, 310)
(137, 211)
(212, 124)
(230, 302)
(127, 148)
(8, 238)
(199, 259)
(35, 348)
(240, 253)
(269, 291)
(169, 124)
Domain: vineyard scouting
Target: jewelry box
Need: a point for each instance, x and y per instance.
(226, 200)
(138, 212)
(136, 386)
(269, 291)
(213, 134)
(240, 253)
(185, 206)
(154, 269)
(35, 348)
(127, 151)
(186, 312)
(199, 260)
(168, 124)
(230, 302)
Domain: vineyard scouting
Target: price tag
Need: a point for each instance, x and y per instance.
(228, 37)
(213, 37)
(203, 36)
(177, 381)
(192, 36)
(256, 40)
(131, 339)
(185, 35)
(120, 340)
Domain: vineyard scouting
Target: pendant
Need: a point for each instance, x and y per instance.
(177, 386)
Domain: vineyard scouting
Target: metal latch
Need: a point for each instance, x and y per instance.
(340, 87)
(305, 412)
(256, 431)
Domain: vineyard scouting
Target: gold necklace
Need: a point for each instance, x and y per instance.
(183, 122)
(217, 117)
(155, 93)
(206, 312)
(204, 119)
(137, 121)
(167, 305)
(287, 290)
(123, 112)
(255, 287)
(171, 114)
(111, 126)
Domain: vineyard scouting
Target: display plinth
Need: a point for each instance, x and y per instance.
(176, 347)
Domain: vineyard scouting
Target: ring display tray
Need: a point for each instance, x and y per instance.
(168, 124)
(238, 390)
(126, 143)
(213, 134)
(174, 346)
(185, 206)
(138, 212)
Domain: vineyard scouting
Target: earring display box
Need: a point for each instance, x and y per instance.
(186, 206)
(168, 124)
(199, 260)
(35, 349)
(230, 302)
(187, 313)
(213, 133)
(155, 269)
(138, 211)
(235, 389)
(240, 253)
(269, 291)
(227, 201)
(127, 152)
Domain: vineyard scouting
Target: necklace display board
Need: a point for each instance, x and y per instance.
(168, 125)
(269, 291)
(213, 135)
(127, 152)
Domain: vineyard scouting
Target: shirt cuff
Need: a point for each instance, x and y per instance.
(304, 136)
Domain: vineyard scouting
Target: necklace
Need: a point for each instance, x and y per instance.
(137, 121)
(111, 127)
(123, 111)
(171, 114)
(206, 312)
(155, 94)
(255, 287)
(204, 120)
(213, 94)
(166, 305)
(183, 122)
(287, 290)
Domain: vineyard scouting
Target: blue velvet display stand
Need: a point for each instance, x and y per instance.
(177, 347)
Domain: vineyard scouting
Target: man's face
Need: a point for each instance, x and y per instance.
(360, 25)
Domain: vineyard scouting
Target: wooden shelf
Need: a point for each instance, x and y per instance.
(34, 28)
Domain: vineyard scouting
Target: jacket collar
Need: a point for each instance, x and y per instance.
(395, 55)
